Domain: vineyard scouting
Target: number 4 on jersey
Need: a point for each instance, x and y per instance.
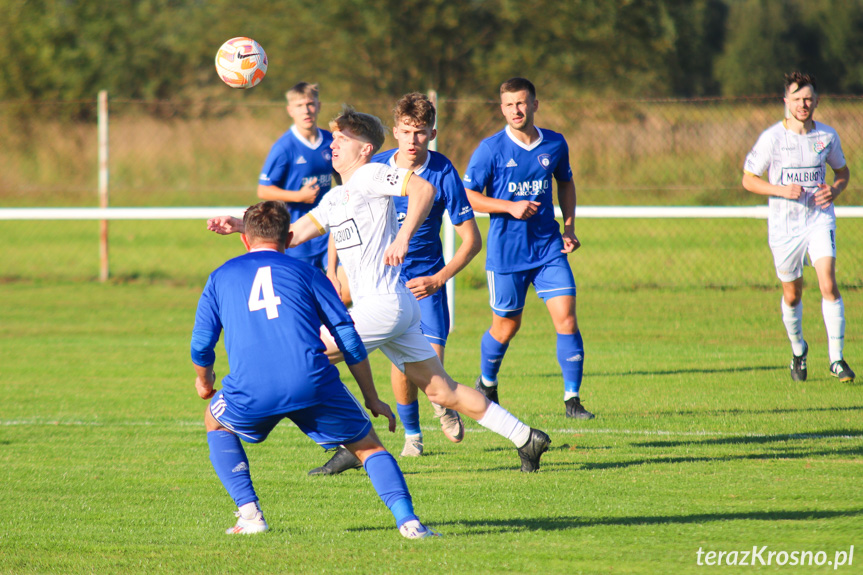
(263, 296)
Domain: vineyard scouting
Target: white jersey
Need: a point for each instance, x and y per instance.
(362, 218)
(802, 159)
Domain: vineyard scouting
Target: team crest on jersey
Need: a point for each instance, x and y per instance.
(819, 146)
(346, 197)
(544, 160)
(327, 156)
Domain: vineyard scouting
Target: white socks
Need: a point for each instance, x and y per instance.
(504, 423)
(792, 317)
(834, 322)
(249, 510)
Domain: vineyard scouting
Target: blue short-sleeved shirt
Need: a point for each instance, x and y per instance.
(271, 307)
(291, 163)
(507, 169)
(425, 253)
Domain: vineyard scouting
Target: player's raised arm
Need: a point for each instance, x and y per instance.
(420, 199)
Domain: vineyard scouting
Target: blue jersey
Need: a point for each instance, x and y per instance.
(292, 162)
(425, 252)
(271, 307)
(509, 170)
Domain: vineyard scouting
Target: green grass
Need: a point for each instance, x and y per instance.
(701, 441)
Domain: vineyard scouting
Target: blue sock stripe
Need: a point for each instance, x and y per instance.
(389, 483)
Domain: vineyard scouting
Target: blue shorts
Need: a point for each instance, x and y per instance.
(340, 420)
(434, 317)
(507, 292)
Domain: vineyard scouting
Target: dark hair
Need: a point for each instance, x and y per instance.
(268, 220)
(416, 108)
(517, 85)
(801, 79)
(363, 126)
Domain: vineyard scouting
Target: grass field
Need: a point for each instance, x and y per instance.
(701, 441)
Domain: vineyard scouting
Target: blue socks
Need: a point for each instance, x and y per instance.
(232, 466)
(570, 356)
(491, 354)
(410, 416)
(389, 483)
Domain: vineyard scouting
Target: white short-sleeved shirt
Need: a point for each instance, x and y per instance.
(362, 219)
(792, 158)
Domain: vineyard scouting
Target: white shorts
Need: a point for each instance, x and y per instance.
(789, 252)
(391, 323)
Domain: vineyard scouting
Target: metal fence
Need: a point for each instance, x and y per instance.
(623, 152)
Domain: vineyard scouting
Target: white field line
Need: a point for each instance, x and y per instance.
(432, 428)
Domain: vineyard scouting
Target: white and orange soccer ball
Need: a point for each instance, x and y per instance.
(241, 63)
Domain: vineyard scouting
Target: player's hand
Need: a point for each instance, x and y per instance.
(570, 243)
(824, 196)
(424, 286)
(309, 192)
(334, 279)
(523, 209)
(204, 386)
(395, 253)
(792, 192)
(224, 225)
(378, 407)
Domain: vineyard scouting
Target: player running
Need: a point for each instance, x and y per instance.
(362, 218)
(515, 167)
(271, 307)
(801, 221)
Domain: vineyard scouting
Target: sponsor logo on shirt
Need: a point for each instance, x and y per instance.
(401, 217)
(265, 177)
(301, 160)
(392, 178)
(544, 160)
(511, 163)
(529, 188)
(465, 210)
(346, 235)
(803, 176)
(466, 178)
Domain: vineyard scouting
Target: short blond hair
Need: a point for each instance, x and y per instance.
(302, 90)
(364, 126)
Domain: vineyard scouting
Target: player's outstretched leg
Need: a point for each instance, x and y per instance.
(430, 376)
(232, 466)
(389, 483)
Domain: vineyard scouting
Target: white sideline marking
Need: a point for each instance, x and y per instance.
(431, 428)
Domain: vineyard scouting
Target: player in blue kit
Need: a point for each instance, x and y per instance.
(299, 167)
(515, 167)
(272, 307)
(424, 271)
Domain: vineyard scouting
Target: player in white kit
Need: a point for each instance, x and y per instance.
(362, 220)
(801, 221)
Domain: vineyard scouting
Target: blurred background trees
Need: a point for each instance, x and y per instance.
(361, 49)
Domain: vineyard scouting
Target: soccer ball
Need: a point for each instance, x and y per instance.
(241, 63)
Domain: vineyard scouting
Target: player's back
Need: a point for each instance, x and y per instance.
(271, 308)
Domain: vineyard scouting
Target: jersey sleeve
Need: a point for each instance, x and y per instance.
(563, 171)
(320, 213)
(384, 180)
(836, 157)
(275, 170)
(457, 204)
(208, 327)
(479, 170)
(758, 158)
